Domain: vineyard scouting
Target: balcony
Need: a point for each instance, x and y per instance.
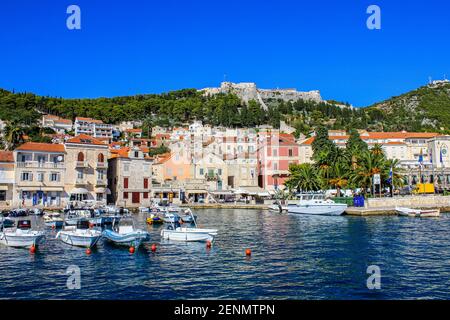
(209, 177)
(81, 182)
(82, 164)
(101, 183)
(102, 165)
(41, 165)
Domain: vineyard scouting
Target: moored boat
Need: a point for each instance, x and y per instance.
(315, 204)
(53, 220)
(188, 216)
(408, 212)
(22, 236)
(176, 233)
(124, 233)
(154, 219)
(81, 235)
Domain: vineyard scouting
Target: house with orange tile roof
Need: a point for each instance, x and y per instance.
(86, 170)
(93, 127)
(40, 172)
(130, 177)
(58, 124)
(7, 178)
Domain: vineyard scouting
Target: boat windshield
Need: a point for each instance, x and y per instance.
(24, 224)
(310, 196)
(83, 224)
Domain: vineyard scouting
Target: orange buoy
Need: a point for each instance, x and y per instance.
(88, 251)
(153, 247)
(91, 225)
(33, 249)
(208, 244)
(131, 250)
(248, 252)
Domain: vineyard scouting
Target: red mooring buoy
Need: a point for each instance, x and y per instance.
(208, 244)
(88, 251)
(248, 252)
(131, 250)
(153, 247)
(32, 249)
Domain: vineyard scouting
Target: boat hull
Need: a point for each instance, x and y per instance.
(130, 239)
(325, 209)
(21, 241)
(79, 240)
(177, 235)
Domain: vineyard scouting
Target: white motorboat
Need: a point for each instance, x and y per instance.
(315, 204)
(124, 233)
(80, 235)
(22, 236)
(171, 217)
(74, 215)
(176, 233)
(53, 220)
(408, 212)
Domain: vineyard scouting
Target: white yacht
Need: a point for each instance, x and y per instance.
(316, 204)
(80, 235)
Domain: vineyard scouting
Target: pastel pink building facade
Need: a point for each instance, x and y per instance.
(276, 152)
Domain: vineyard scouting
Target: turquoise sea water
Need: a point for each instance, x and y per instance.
(293, 257)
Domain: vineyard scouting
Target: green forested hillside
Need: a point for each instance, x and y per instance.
(425, 109)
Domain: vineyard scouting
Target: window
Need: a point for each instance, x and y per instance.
(80, 157)
(100, 174)
(275, 166)
(101, 158)
(201, 171)
(125, 183)
(275, 152)
(125, 195)
(2, 195)
(145, 183)
(40, 176)
(54, 177)
(26, 176)
(145, 195)
(136, 154)
(219, 171)
(126, 167)
(291, 153)
(80, 174)
(99, 196)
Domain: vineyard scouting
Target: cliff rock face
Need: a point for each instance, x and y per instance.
(248, 91)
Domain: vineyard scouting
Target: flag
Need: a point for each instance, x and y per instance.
(421, 157)
(440, 157)
(431, 156)
(391, 174)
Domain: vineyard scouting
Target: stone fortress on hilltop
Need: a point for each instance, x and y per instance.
(248, 91)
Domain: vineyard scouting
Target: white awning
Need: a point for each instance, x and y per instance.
(79, 191)
(3, 188)
(103, 190)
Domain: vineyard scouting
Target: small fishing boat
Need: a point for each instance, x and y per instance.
(171, 217)
(408, 212)
(36, 212)
(18, 213)
(53, 220)
(154, 219)
(176, 233)
(22, 236)
(188, 216)
(81, 235)
(72, 216)
(124, 233)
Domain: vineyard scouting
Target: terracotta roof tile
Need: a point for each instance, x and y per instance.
(85, 139)
(48, 147)
(6, 156)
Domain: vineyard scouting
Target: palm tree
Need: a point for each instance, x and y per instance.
(13, 135)
(304, 177)
(369, 165)
(340, 173)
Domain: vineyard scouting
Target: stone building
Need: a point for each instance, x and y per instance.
(7, 178)
(130, 177)
(86, 174)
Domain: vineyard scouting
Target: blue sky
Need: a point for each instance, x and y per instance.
(146, 46)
